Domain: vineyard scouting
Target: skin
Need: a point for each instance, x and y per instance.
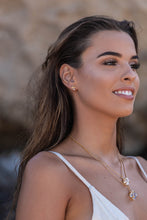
(97, 109)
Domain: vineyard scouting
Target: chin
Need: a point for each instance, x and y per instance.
(122, 112)
(125, 113)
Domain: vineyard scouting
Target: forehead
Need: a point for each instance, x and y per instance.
(117, 41)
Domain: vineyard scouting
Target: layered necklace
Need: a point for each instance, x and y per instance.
(123, 179)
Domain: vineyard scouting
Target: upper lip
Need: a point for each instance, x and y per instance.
(125, 89)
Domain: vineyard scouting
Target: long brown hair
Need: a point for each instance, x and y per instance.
(54, 107)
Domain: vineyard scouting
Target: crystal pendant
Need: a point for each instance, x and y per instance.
(132, 195)
(125, 181)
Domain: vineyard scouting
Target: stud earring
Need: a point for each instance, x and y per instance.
(74, 88)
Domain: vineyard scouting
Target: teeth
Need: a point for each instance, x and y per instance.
(124, 92)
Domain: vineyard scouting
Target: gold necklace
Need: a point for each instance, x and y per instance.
(123, 180)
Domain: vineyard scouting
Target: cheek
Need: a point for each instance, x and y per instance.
(95, 82)
(95, 88)
(137, 83)
(90, 81)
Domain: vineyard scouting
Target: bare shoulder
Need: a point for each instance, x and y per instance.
(143, 162)
(45, 162)
(43, 189)
(44, 165)
(132, 162)
(48, 167)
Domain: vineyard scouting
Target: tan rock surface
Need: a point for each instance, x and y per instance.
(27, 27)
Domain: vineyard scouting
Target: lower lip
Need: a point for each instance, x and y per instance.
(128, 97)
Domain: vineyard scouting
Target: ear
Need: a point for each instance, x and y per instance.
(68, 76)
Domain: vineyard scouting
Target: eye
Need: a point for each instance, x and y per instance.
(110, 62)
(135, 66)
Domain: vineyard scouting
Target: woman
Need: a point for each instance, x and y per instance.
(72, 167)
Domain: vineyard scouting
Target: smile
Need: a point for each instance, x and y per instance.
(124, 92)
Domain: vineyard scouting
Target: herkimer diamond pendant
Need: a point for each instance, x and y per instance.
(132, 194)
(125, 181)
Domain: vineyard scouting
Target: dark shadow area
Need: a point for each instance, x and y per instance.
(13, 137)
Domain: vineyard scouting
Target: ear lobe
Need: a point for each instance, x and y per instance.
(67, 75)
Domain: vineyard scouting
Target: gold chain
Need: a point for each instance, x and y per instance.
(120, 178)
(123, 167)
(110, 169)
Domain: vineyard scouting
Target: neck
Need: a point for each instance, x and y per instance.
(97, 133)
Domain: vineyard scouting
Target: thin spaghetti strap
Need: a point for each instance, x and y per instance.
(140, 166)
(72, 168)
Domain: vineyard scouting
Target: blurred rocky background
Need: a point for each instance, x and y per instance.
(27, 28)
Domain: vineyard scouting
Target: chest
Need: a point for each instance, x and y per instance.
(81, 206)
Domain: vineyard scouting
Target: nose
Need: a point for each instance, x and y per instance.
(129, 74)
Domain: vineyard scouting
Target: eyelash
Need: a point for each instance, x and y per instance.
(110, 62)
(135, 66)
(114, 62)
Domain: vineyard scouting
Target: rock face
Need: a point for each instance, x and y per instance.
(28, 27)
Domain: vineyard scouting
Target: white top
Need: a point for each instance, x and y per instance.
(103, 209)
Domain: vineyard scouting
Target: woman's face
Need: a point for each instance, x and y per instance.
(107, 80)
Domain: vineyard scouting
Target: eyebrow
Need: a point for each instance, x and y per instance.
(115, 54)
